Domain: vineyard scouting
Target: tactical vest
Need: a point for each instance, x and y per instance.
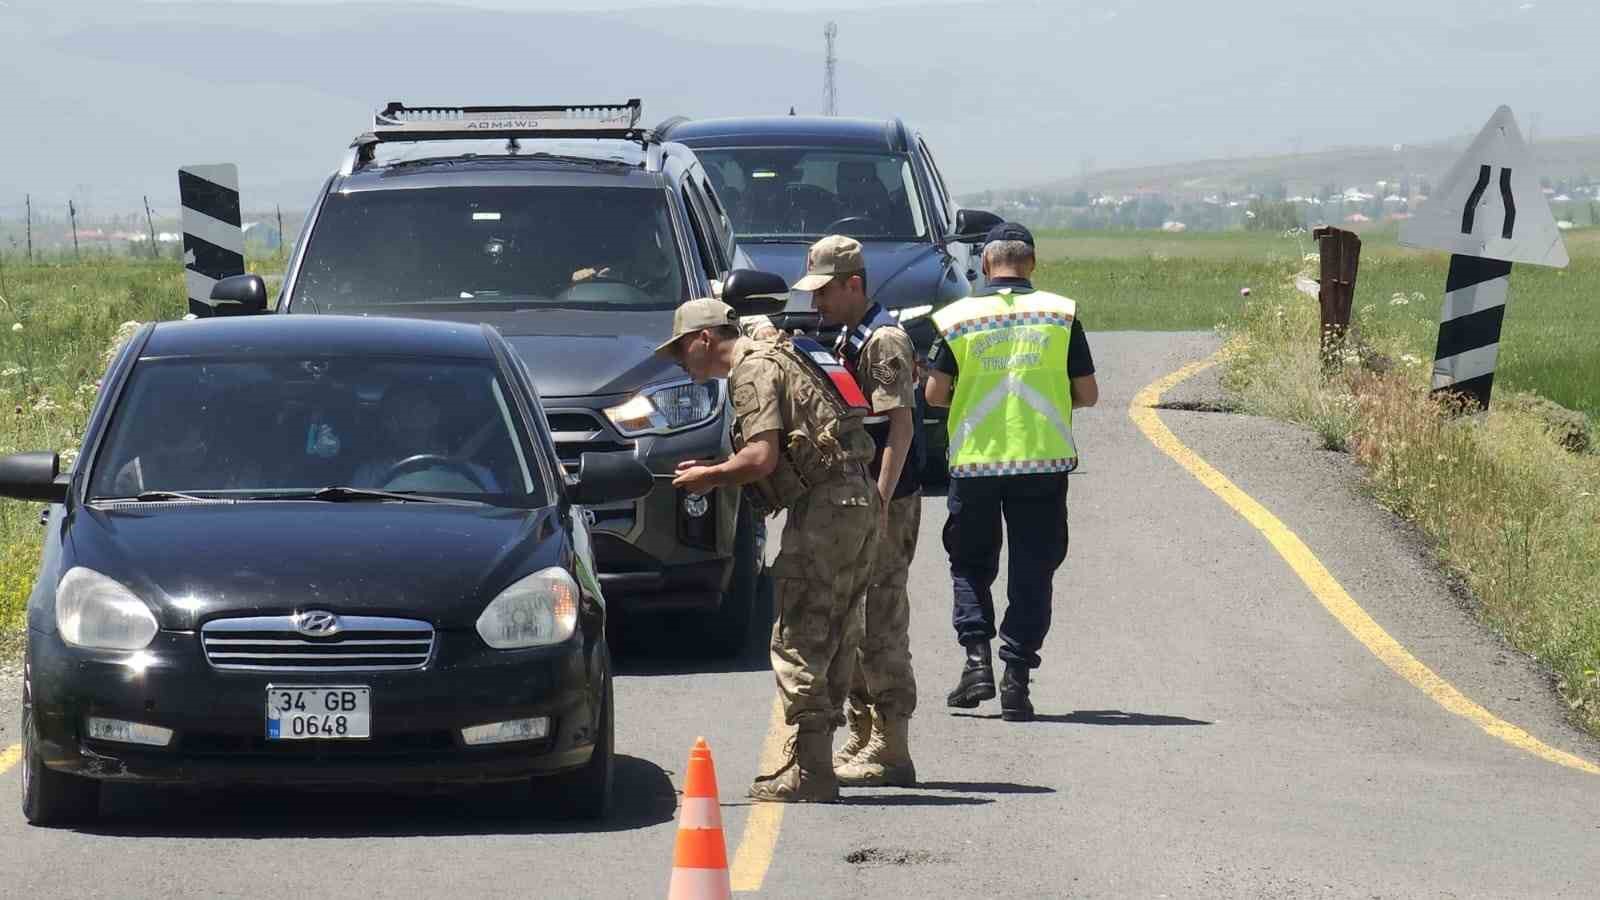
(826, 438)
(850, 346)
(1012, 409)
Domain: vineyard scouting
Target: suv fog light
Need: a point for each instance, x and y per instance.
(695, 505)
(505, 732)
(129, 732)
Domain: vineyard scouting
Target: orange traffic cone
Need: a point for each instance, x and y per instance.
(700, 862)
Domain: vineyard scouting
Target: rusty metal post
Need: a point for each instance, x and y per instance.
(1341, 257)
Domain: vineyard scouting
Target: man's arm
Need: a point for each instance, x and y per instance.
(898, 450)
(756, 461)
(1085, 391)
(937, 389)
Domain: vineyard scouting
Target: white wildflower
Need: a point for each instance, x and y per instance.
(17, 326)
(11, 371)
(1418, 297)
(1399, 300)
(1410, 359)
(45, 404)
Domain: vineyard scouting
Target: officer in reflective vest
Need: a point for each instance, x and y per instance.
(1011, 365)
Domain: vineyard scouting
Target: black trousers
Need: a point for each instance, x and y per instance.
(1034, 508)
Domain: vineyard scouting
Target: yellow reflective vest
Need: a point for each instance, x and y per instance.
(1012, 409)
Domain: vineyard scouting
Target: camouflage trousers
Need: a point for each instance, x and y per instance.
(818, 579)
(881, 633)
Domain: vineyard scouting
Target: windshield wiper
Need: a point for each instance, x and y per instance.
(338, 493)
(154, 496)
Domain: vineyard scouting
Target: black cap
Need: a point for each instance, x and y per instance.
(1009, 231)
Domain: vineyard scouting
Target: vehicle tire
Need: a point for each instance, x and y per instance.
(728, 631)
(52, 798)
(586, 793)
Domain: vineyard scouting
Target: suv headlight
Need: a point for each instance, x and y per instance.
(537, 611)
(97, 612)
(666, 408)
(910, 313)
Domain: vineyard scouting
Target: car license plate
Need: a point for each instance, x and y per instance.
(322, 713)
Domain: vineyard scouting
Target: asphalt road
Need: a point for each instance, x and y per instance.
(1207, 729)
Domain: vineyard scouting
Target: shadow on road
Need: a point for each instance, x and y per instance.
(911, 800)
(648, 644)
(644, 797)
(985, 787)
(1095, 717)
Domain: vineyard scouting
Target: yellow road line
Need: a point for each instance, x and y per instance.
(760, 838)
(9, 757)
(1323, 585)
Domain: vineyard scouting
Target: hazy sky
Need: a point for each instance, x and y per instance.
(115, 94)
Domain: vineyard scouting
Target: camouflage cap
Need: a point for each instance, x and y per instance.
(697, 315)
(833, 255)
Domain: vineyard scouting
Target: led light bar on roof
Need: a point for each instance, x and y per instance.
(399, 121)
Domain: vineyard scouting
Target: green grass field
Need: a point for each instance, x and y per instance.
(1155, 281)
(57, 321)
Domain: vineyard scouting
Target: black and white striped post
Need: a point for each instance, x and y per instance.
(1469, 327)
(213, 239)
(1488, 213)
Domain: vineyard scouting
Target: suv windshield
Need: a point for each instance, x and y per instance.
(274, 426)
(801, 194)
(492, 248)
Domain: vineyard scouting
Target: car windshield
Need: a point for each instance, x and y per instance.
(278, 426)
(491, 248)
(801, 194)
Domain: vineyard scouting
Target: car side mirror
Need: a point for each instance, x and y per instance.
(972, 225)
(32, 476)
(752, 292)
(610, 478)
(236, 295)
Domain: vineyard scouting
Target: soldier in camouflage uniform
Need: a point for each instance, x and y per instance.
(798, 447)
(879, 354)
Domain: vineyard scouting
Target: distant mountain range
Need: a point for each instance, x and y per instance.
(101, 100)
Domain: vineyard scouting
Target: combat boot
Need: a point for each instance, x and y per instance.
(1014, 703)
(859, 719)
(977, 678)
(806, 775)
(886, 761)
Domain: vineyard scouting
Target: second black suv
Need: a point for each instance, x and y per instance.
(789, 180)
(575, 233)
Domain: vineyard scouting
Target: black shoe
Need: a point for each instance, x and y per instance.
(1014, 703)
(977, 678)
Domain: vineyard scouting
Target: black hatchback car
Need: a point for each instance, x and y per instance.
(316, 550)
(788, 180)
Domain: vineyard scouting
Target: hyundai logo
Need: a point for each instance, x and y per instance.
(317, 623)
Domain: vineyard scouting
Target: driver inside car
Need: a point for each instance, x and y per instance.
(416, 453)
(634, 255)
(862, 194)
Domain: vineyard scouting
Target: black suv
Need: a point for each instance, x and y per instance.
(789, 180)
(575, 233)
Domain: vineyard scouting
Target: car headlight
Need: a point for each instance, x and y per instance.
(909, 313)
(537, 611)
(667, 408)
(97, 612)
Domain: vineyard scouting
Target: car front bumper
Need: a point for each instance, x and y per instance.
(218, 718)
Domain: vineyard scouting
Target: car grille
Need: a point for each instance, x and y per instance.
(579, 431)
(274, 644)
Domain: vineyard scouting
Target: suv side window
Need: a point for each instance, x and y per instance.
(702, 242)
(945, 211)
(721, 225)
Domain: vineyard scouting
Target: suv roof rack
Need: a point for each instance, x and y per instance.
(400, 123)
